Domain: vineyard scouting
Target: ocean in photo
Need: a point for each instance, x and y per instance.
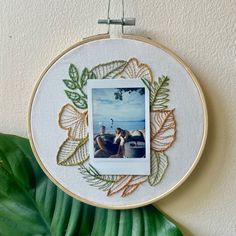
(111, 126)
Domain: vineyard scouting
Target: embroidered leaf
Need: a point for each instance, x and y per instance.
(163, 129)
(158, 92)
(73, 73)
(119, 185)
(72, 95)
(72, 152)
(163, 126)
(137, 179)
(80, 103)
(134, 184)
(126, 184)
(91, 175)
(84, 77)
(69, 84)
(129, 189)
(92, 75)
(77, 100)
(136, 70)
(108, 70)
(159, 164)
(73, 121)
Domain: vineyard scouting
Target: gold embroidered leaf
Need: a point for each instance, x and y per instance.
(108, 70)
(119, 185)
(129, 189)
(159, 164)
(73, 121)
(133, 185)
(126, 184)
(138, 179)
(136, 70)
(72, 152)
(163, 129)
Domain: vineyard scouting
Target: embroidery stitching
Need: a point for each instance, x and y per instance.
(74, 150)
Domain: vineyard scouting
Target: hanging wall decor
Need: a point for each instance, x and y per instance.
(117, 122)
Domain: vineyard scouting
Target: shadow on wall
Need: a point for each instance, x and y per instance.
(207, 174)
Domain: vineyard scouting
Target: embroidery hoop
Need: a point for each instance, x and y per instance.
(145, 40)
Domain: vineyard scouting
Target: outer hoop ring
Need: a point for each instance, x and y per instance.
(194, 79)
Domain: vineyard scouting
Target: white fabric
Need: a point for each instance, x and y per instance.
(184, 97)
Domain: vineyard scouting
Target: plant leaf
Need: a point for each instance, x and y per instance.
(72, 95)
(72, 152)
(91, 175)
(73, 73)
(84, 77)
(92, 75)
(119, 185)
(108, 70)
(77, 100)
(163, 129)
(69, 84)
(75, 122)
(158, 92)
(80, 103)
(30, 204)
(126, 185)
(136, 70)
(134, 184)
(159, 164)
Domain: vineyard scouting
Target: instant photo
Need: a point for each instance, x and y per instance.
(119, 132)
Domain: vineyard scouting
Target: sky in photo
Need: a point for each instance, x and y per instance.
(105, 106)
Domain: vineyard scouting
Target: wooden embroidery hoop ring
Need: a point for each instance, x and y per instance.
(204, 136)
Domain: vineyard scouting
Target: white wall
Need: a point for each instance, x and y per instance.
(202, 32)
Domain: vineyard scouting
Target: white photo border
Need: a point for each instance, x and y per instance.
(123, 166)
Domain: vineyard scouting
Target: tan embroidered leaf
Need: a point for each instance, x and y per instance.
(72, 152)
(119, 185)
(138, 179)
(159, 164)
(163, 129)
(134, 184)
(136, 70)
(129, 189)
(127, 184)
(74, 121)
(108, 70)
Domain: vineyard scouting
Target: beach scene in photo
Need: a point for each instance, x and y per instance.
(119, 122)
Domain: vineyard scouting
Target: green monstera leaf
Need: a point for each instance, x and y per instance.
(30, 204)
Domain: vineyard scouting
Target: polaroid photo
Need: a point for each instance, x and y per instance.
(119, 126)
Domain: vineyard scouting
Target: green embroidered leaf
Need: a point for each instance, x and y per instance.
(108, 70)
(80, 103)
(77, 99)
(92, 75)
(30, 204)
(69, 84)
(73, 73)
(72, 95)
(159, 163)
(84, 77)
(72, 152)
(91, 175)
(158, 92)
